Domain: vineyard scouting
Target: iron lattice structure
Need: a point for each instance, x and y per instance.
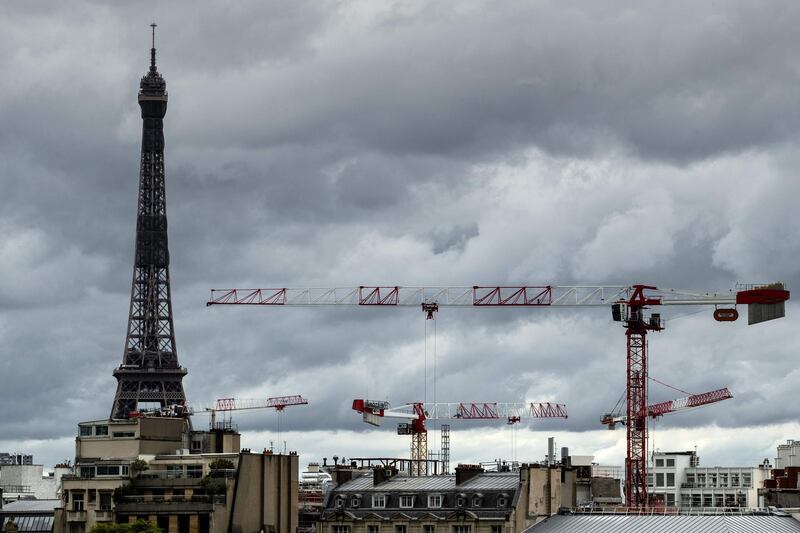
(636, 460)
(150, 371)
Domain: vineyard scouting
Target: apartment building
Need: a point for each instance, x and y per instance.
(678, 480)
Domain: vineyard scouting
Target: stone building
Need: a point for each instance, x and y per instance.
(157, 468)
(470, 501)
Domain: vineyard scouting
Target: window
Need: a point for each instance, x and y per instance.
(373, 529)
(428, 528)
(690, 479)
(105, 501)
(659, 462)
(434, 501)
(670, 479)
(697, 500)
(406, 502)
(87, 471)
(174, 471)
(701, 480)
(723, 480)
(730, 499)
(502, 500)
(197, 445)
(101, 431)
(461, 500)
(379, 501)
(497, 529)
(400, 528)
(746, 479)
(337, 528)
(707, 502)
(355, 501)
(340, 502)
(77, 501)
(649, 479)
(734, 479)
(670, 501)
(461, 529)
(686, 500)
(122, 434)
(194, 471)
(671, 462)
(477, 500)
(86, 431)
(719, 500)
(659, 479)
(712, 479)
(107, 470)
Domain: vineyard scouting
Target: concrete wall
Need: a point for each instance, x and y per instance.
(32, 476)
(265, 494)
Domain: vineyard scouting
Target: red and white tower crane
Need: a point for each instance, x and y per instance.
(629, 303)
(374, 411)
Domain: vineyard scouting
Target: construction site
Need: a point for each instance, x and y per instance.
(178, 463)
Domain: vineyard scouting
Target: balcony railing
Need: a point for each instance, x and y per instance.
(76, 516)
(16, 488)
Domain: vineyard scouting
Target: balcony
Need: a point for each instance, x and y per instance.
(104, 515)
(76, 516)
(174, 504)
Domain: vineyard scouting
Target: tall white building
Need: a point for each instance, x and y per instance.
(788, 454)
(678, 479)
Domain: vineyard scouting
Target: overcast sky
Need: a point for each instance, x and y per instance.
(347, 143)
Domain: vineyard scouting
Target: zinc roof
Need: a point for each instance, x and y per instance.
(666, 524)
(485, 481)
(27, 506)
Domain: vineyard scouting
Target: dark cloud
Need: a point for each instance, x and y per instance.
(349, 143)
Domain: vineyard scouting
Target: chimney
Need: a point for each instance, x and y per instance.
(466, 472)
(341, 475)
(565, 460)
(551, 450)
(382, 473)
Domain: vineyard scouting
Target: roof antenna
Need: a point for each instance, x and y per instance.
(153, 49)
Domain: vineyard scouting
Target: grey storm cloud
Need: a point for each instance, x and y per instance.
(413, 143)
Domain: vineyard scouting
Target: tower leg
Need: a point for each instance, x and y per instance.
(636, 459)
(419, 454)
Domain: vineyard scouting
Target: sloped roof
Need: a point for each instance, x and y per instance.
(666, 524)
(484, 481)
(27, 506)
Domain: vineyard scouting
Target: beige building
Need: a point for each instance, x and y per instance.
(157, 468)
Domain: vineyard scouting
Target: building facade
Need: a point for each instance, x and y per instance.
(470, 501)
(677, 480)
(788, 454)
(157, 468)
(20, 478)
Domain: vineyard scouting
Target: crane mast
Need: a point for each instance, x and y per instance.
(629, 305)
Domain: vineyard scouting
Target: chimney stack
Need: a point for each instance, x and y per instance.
(382, 473)
(466, 472)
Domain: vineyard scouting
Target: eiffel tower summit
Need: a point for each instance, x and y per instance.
(150, 374)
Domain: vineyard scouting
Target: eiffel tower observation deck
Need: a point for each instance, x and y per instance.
(150, 375)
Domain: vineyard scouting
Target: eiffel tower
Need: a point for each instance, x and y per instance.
(150, 371)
